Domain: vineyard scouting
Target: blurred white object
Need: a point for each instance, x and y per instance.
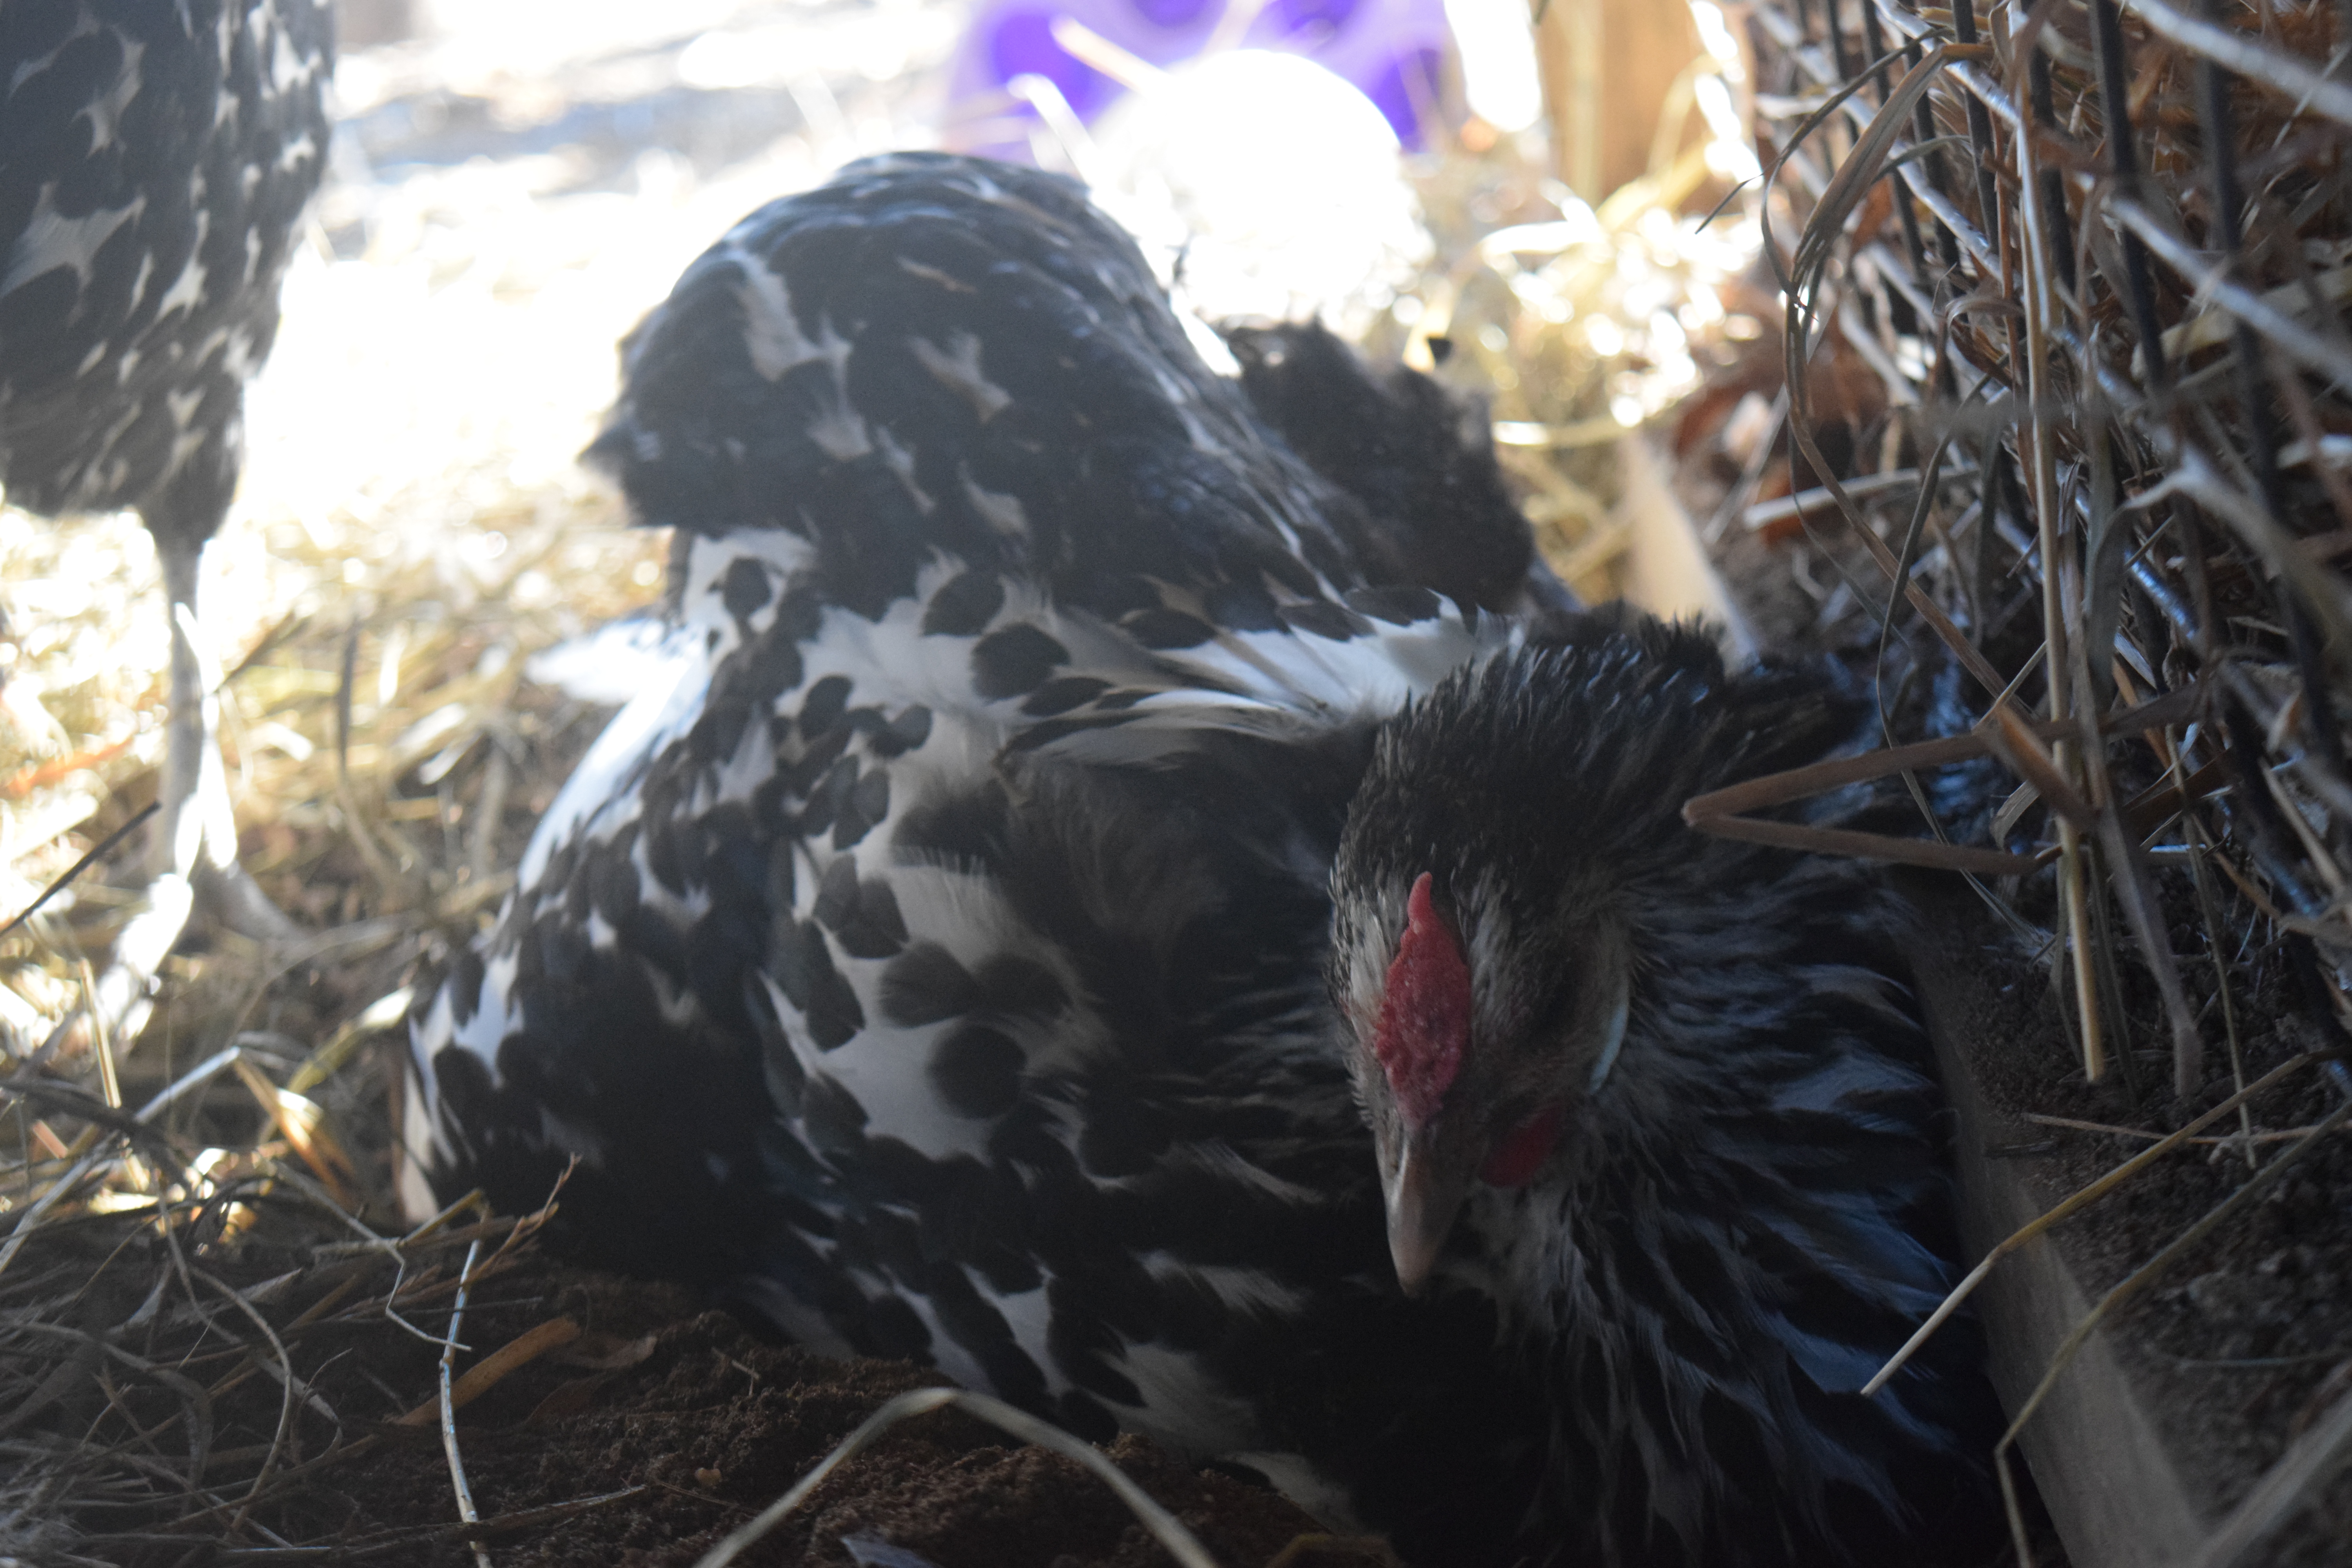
(1268, 185)
(1498, 61)
(28, 729)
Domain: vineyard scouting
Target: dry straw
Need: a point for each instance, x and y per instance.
(2146, 380)
(2097, 257)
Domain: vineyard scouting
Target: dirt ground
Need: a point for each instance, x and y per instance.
(2247, 1341)
(643, 1431)
(698, 1426)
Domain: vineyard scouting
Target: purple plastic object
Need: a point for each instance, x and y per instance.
(1393, 51)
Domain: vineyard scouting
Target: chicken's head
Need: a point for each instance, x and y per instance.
(1519, 828)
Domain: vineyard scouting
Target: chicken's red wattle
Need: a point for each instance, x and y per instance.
(1515, 1160)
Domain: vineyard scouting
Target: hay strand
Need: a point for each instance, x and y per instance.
(1165, 1527)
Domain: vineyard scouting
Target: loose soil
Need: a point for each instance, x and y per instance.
(711, 1424)
(645, 1438)
(2248, 1340)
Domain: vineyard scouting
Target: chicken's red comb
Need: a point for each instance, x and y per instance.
(1424, 1024)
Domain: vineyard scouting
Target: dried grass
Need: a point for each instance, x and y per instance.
(1583, 322)
(2127, 352)
(135, 1334)
(2189, 500)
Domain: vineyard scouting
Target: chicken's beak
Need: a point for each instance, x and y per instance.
(1422, 1199)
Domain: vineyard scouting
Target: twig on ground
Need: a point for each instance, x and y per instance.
(105, 846)
(449, 1348)
(1165, 1528)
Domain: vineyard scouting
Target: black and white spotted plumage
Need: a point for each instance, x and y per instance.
(155, 159)
(933, 965)
(953, 897)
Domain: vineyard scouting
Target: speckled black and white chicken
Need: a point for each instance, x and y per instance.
(155, 159)
(936, 965)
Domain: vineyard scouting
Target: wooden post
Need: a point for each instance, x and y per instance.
(1607, 66)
